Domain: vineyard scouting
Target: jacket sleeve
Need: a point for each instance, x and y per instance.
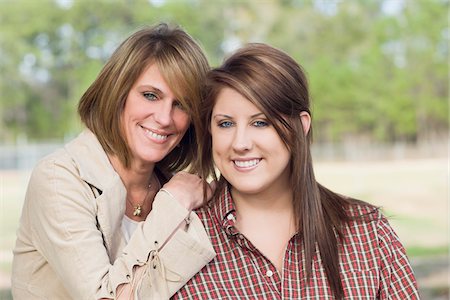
(397, 279)
(65, 232)
(179, 248)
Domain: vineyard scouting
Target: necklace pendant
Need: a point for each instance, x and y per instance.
(137, 211)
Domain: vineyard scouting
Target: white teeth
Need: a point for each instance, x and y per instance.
(247, 163)
(155, 135)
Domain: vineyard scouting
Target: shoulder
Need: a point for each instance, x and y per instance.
(56, 186)
(52, 166)
(357, 209)
(368, 235)
(66, 157)
(82, 158)
(368, 220)
(60, 172)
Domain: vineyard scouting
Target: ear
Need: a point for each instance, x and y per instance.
(305, 118)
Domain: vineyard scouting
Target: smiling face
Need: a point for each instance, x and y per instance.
(246, 148)
(153, 121)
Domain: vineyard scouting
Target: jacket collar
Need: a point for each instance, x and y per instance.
(94, 165)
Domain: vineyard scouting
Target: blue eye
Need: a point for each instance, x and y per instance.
(150, 96)
(225, 124)
(260, 123)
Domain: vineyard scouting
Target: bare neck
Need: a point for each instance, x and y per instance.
(273, 200)
(134, 178)
(269, 206)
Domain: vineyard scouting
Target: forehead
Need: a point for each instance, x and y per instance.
(229, 101)
(152, 77)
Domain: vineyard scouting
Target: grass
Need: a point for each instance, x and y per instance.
(412, 194)
(421, 251)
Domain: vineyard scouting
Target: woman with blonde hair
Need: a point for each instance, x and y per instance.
(103, 216)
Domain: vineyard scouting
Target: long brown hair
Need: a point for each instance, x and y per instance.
(277, 85)
(183, 66)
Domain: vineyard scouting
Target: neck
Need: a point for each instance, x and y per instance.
(271, 200)
(137, 177)
(248, 206)
(137, 180)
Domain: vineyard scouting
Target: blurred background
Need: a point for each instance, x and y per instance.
(378, 72)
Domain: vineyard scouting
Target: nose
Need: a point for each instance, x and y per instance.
(242, 140)
(163, 114)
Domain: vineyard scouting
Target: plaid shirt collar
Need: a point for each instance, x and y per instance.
(225, 212)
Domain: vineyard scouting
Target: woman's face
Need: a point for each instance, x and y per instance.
(246, 148)
(153, 120)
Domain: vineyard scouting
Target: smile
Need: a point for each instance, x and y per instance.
(155, 135)
(246, 163)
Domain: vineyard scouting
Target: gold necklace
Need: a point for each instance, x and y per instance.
(138, 208)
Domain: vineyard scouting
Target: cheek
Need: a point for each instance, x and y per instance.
(217, 141)
(217, 149)
(181, 121)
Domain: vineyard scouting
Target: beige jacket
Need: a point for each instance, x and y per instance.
(69, 242)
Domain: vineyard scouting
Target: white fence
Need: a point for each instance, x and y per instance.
(24, 156)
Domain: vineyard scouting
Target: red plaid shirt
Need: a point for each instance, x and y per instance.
(373, 263)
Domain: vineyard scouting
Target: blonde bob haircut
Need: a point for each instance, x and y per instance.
(183, 66)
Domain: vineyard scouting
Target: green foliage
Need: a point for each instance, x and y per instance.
(373, 73)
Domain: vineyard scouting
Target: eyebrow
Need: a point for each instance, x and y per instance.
(151, 87)
(230, 117)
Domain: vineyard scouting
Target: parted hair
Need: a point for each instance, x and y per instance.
(276, 84)
(183, 66)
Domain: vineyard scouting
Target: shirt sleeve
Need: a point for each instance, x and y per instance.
(397, 279)
(65, 232)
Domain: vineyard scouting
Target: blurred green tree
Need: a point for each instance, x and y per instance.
(378, 70)
(50, 51)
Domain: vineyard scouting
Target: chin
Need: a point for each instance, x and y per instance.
(152, 159)
(246, 189)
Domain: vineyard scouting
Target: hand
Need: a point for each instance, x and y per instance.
(188, 189)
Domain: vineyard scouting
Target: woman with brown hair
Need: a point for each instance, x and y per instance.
(277, 232)
(103, 216)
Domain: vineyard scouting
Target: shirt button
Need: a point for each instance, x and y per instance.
(269, 273)
(230, 217)
(128, 277)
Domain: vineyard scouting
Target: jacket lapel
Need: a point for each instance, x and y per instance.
(107, 187)
(110, 211)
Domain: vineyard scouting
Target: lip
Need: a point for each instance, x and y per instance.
(247, 164)
(156, 136)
